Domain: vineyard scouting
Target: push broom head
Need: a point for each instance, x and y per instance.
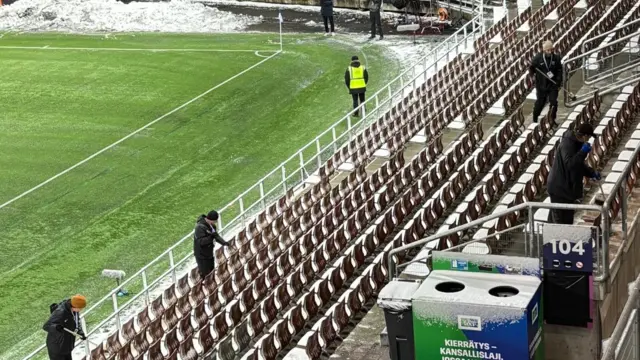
(113, 274)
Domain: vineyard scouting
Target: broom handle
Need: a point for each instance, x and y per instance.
(78, 336)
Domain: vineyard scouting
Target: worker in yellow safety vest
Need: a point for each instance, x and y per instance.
(356, 78)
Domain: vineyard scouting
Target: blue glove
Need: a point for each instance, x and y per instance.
(586, 148)
(596, 176)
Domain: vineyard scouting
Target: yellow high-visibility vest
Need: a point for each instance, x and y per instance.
(356, 76)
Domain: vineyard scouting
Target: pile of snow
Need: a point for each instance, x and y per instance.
(364, 13)
(114, 16)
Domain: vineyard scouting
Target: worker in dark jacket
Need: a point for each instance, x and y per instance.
(374, 17)
(326, 10)
(547, 69)
(65, 315)
(356, 78)
(205, 235)
(564, 184)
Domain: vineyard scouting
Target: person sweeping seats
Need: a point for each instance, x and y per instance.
(63, 322)
(356, 78)
(205, 235)
(547, 69)
(564, 183)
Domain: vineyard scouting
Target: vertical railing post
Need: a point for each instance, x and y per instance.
(172, 263)
(532, 232)
(301, 167)
(87, 348)
(349, 123)
(335, 138)
(319, 151)
(145, 286)
(264, 205)
(116, 312)
(284, 179)
(241, 202)
(220, 223)
(637, 331)
(377, 101)
(623, 191)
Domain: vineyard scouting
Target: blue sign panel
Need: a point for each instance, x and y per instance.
(568, 247)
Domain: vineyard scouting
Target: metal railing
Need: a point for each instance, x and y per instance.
(531, 233)
(605, 68)
(288, 175)
(624, 343)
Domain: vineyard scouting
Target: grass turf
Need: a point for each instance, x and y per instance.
(124, 207)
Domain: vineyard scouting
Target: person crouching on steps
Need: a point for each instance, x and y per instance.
(356, 78)
(205, 235)
(65, 317)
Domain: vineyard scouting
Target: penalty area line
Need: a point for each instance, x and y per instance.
(137, 131)
(128, 49)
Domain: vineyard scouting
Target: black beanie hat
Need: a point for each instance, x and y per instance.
(212, 215)
(354, 58)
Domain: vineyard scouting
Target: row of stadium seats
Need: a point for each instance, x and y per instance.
(269, 247)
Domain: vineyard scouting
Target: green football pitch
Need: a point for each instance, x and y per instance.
(241, 110)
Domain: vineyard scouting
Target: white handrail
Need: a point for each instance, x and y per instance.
(382, 99)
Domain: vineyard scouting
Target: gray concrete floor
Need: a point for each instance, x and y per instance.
(363, 342)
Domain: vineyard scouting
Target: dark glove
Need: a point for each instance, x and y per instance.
(586, 148)
(82, 336)
(59, 327)
(596, 176)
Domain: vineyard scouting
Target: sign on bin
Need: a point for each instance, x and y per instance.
(567, 247)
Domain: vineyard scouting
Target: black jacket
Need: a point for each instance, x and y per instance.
(553, 64)
(374, 5)
(204, 236)
(347, 79)
(568, 169)
(61, 342)
(326, 7)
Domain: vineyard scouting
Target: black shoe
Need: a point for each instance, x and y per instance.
(381, 37)
(535, 120)
(372, 37)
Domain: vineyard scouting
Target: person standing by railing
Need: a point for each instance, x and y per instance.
(205, 235)
(63, 322)
(564, 183)
(326, 10)
(356, 78)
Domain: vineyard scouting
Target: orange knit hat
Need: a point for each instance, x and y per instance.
(78, 301)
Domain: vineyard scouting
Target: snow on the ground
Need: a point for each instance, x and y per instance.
(302, 8)
(185, 16)
(115, 16)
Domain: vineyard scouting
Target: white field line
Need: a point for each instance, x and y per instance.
(128, 49)
(137, 131)
(260, 55)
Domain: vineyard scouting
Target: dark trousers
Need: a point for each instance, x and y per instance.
(205, 266)
(53, 356)
(542, 96)
(357, 97)
(376, 22)
(327, 20)
(557, 216)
